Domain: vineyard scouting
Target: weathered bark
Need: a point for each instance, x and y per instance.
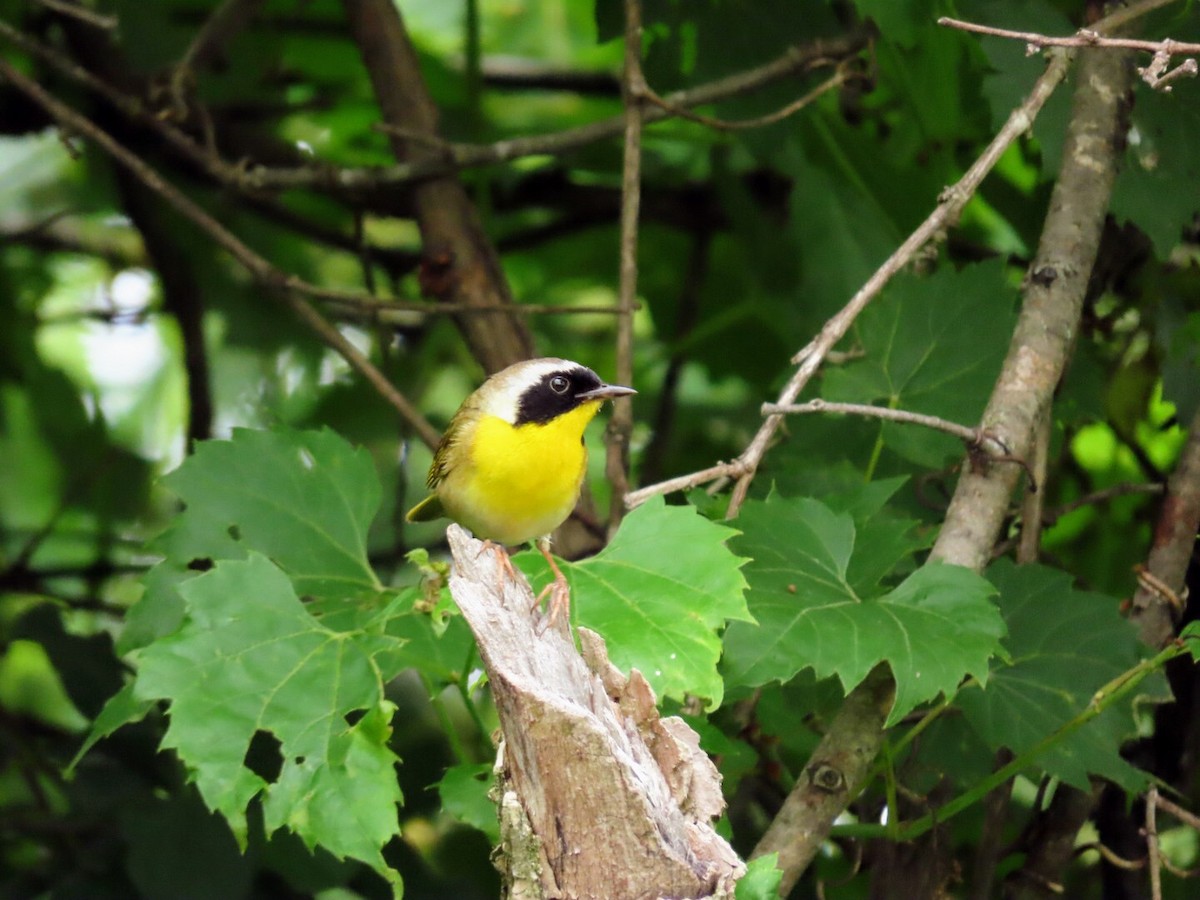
(599, 797)
(459, 262)
(1174, 546)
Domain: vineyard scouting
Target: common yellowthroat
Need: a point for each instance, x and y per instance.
(512, 460)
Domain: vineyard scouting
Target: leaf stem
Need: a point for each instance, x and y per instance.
(1104, 698)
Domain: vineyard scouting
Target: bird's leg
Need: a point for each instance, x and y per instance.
(505, 561)
(559, 590)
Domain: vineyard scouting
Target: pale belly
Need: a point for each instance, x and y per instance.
(525, 485)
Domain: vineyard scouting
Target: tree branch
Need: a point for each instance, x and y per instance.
(620, 423)
(1051, 308)
(459, 262)
(281, 285)
(810, 358)
(1158, 74)
(462, 156)
(1174, 545)
(971, 436)
(1038, 354)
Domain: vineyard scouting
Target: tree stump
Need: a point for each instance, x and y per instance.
(600, 798)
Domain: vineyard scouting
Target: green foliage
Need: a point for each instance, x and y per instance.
(1063, 645)
(816, 592)
(928, 346)
(659, 593)
(310, 678)
(761, 881)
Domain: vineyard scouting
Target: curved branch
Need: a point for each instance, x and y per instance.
(810, 357)
(463, 156)
(1174, 545)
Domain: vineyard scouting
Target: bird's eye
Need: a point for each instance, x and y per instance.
(559, 384)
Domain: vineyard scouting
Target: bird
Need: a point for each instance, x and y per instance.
(510, 464)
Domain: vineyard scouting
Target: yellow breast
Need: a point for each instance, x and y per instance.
(517, 483)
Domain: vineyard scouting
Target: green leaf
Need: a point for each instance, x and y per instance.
(659, 593)
(1191, 639)
(123, 708)
(464, 793)
(898, 20)
(930, 346)
(303, 498)
(762, 879)
(1164, 131)
(1063, 645)
(815, 591)
(250, 657)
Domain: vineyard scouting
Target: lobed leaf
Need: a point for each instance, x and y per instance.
(659, 593)
(930, 346)
(1063, 645)
(251, 658)
(818, 606)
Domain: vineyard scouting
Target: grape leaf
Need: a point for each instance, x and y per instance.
(267, 488)
(1063, 644)
(658, 594)
(250, 657)
(935, 627)
(930, 346)
(303, 498)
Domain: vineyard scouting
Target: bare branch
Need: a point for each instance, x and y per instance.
(953, 199)
(620, 424)
(840, 77)
(1174, 542)
(459, 263)
(463, 156)
(1158, 74)
(82, 13)
(1152, 843)
(1050, 313)
(972, 436)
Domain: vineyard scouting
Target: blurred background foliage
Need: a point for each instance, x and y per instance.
(126, 334)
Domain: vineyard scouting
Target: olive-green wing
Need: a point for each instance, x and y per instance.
(453, 442)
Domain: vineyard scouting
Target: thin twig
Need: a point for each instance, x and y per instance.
(1152, 843)
(1170, 807)
(809, 359)
(971, 436)
(840, 77)
(283, 285)
(82, 13)
(1129, 865)
(463, 156)
(1158, 74)
(225, 22)
(620, 424)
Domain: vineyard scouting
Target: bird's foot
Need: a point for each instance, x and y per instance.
(509, 570)
(559, 591)
(559, 606)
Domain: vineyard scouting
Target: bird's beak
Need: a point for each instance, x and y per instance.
(606, 392)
